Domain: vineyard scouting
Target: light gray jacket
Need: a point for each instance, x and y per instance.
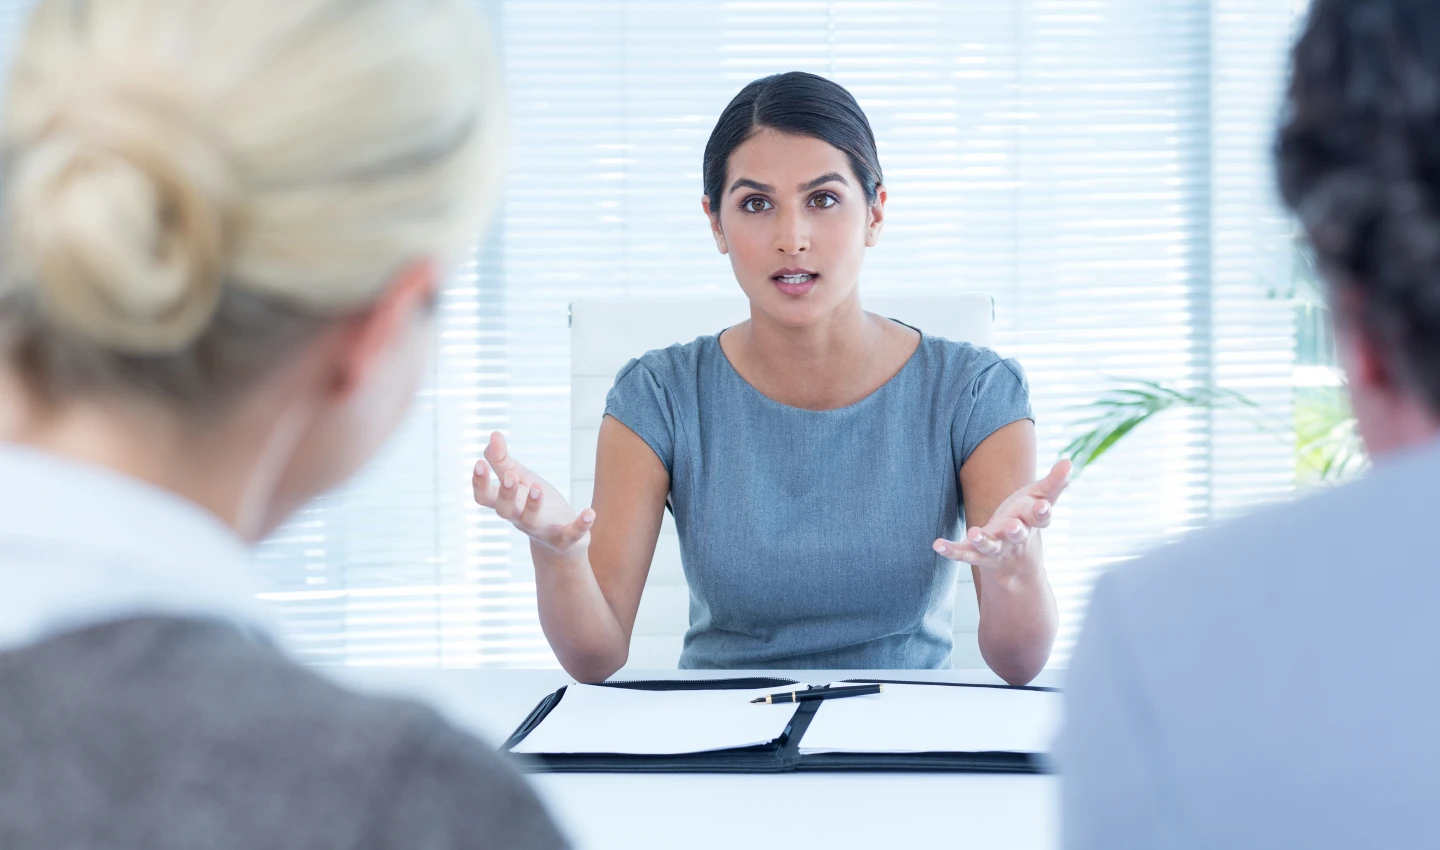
(1271, 683)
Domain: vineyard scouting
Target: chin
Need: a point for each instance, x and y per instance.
(798, 312)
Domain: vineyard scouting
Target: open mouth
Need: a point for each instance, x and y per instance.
(794, 281)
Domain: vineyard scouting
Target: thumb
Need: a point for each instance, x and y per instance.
(1052, 485)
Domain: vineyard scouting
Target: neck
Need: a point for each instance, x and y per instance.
(229, 468)
(812, 364)
(1401, 425)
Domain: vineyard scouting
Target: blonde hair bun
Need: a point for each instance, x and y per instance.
(120, 209)
(186, 180)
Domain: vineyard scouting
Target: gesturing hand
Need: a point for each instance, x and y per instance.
(1006, 539)
(528, 501)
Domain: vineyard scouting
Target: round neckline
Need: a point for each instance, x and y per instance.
(905, 367)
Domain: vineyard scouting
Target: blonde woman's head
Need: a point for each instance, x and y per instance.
(196, 191)
(182, 178)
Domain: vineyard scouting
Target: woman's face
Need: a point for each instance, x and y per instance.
(795, 222)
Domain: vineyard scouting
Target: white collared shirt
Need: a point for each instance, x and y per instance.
(80, 544)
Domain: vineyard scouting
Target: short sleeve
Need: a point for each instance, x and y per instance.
(997, 396)
(639, 402)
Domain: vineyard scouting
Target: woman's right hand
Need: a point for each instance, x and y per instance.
(528, 501)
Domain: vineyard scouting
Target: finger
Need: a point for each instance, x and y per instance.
(497, 451)
(483, 484)
(1040, 514)
(1013, 532)
(507, 497)
(522, 495)
(578, 528)
(1006, 532)
(534, 496)
(957, 551)
(1053, 484)
(982, 542)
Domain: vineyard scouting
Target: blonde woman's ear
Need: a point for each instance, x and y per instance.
(376, 331)
(713, 216)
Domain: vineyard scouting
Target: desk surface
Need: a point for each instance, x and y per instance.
(702, 811)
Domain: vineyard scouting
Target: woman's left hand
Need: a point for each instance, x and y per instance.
(1005, 541)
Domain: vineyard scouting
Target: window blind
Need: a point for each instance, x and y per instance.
(1101, 167)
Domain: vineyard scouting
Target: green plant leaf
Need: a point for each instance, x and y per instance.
(1328, 449)
(1124, 408)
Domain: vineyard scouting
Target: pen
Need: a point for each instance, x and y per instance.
(820, 693)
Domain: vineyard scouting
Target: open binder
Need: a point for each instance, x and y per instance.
(787, 752)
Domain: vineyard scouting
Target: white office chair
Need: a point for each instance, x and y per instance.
(606, 333)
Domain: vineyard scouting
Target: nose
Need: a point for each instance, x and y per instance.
(792, 233)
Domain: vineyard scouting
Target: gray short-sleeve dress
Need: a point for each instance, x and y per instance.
(805, 535)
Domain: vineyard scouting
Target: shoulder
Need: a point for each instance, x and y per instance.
(1204, 648)
(981, 390)
(188, 691)
(1284, 570)
(1262, 546)
(675, 365)
(449, 789)
(966, 363)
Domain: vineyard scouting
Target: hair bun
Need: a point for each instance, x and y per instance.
(120, 207)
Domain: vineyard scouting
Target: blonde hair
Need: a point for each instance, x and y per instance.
(191, 187)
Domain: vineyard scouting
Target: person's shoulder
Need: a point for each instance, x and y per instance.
(449, 785)
(1251, 572)
(966, 378)
(444, 786)
(221, 673)
(187, 689)
(958, 360)
(675, 364)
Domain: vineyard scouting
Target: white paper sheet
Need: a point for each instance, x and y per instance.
(928, 718)
(592, 719)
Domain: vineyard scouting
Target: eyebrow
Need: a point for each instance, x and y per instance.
(751, 184)
(831, 177)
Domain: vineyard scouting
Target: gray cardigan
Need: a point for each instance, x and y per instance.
(164, 732)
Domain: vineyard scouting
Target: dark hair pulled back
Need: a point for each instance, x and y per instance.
(799, 104)
(1358, 154)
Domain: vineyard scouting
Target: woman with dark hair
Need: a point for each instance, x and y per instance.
(1262, 684)
(812, 455)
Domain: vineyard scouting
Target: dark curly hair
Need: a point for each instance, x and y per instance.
(800, 104)
(1358, 156)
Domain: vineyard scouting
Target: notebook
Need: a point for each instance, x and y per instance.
(711, 726)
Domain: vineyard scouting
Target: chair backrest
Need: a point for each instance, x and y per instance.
(606, 333)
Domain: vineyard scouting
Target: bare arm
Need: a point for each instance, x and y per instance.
(1005, 510)
(590, 568)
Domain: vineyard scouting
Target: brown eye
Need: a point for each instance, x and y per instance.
(755, 205)
(824, 200)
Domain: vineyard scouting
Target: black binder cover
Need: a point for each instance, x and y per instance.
(779, 756)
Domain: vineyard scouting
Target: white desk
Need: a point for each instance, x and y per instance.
(876, 811)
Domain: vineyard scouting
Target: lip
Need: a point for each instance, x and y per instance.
(794, 289)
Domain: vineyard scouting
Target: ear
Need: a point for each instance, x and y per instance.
(369, 334)
(713, 216)
(877, 217)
